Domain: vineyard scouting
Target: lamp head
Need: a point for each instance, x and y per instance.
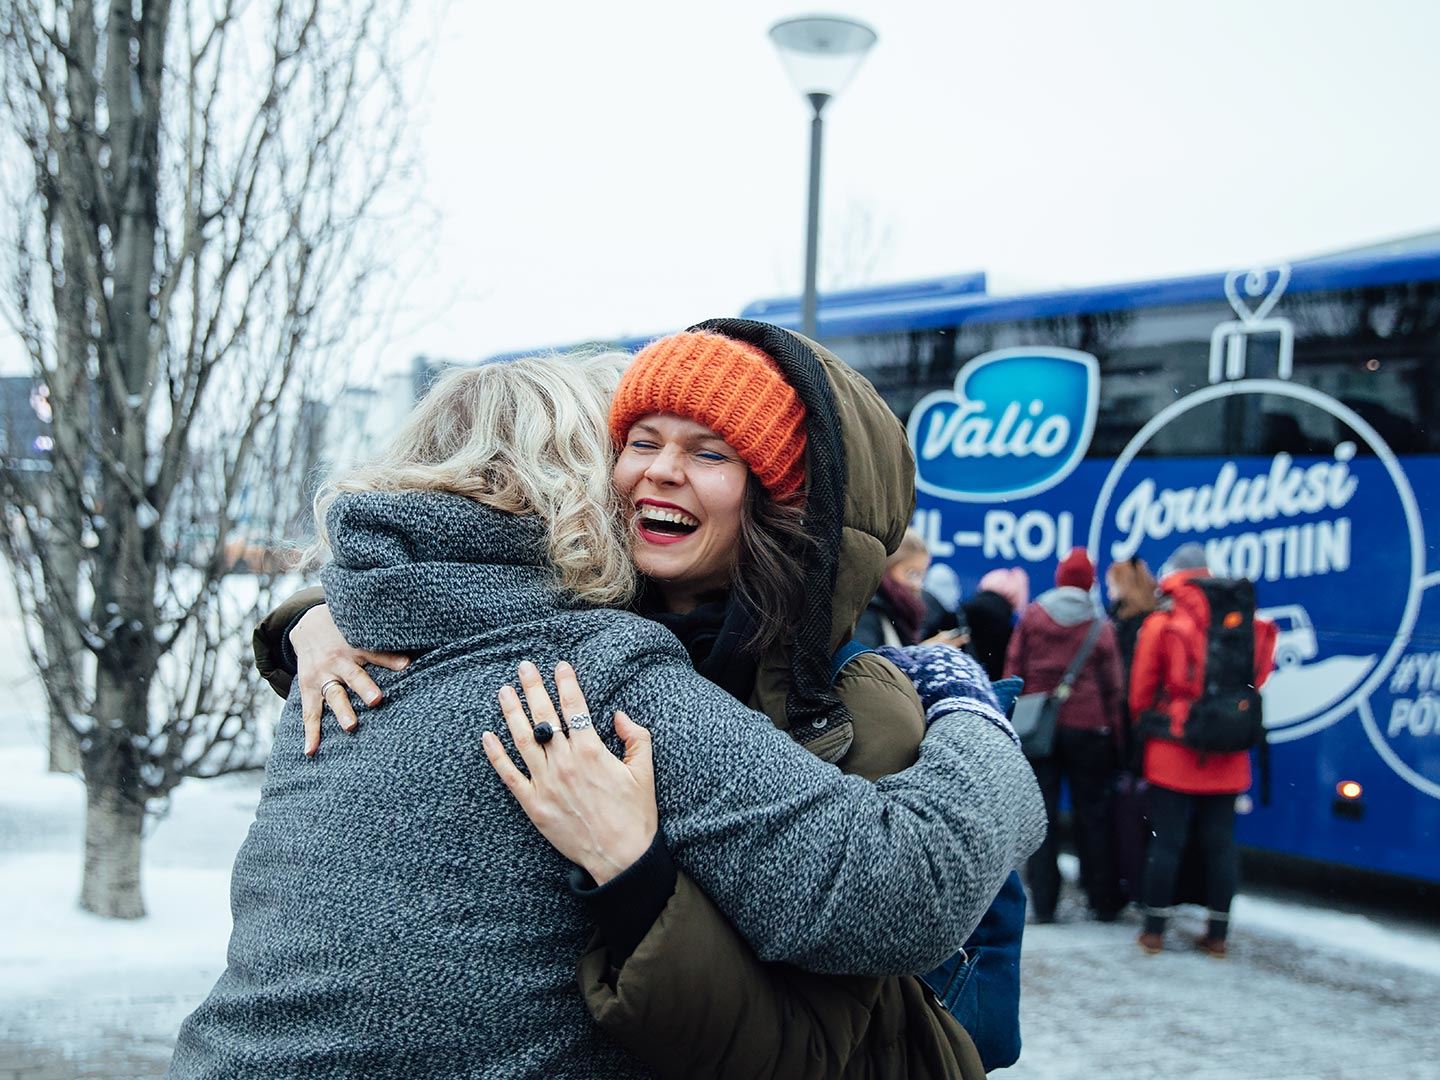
(821, 53)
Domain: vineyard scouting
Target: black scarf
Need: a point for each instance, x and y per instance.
(714, 635)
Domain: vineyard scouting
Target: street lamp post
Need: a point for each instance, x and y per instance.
(820, 53)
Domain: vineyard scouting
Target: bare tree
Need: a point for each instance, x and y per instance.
(858, 244)
(194, 233)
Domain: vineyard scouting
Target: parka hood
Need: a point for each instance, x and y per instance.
(860, 496)
(1067, 605)
(1186, 597)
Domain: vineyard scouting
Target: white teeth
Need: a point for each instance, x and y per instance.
(675, 517)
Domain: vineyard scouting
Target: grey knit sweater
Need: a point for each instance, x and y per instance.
(396, 915)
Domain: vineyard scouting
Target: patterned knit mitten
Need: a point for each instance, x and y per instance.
(948, 680)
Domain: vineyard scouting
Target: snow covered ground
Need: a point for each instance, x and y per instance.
(1305, 994)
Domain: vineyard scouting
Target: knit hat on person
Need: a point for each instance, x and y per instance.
(1189, 556)
(1013, 584)
(1076, 570)
(731, 387)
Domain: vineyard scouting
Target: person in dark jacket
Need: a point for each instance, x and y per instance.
(901, 612)
(940, 619)
(943, 614)
(992, 614)
(1192, 794)
(1050, 635)
(1133, 595)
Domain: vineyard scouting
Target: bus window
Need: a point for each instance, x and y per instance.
(1157, 357)
(1374, 350)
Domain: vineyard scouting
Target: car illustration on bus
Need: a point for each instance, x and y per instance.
(1295, 638)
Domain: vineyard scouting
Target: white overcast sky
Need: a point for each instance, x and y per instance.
(599, 169)
(628, 167)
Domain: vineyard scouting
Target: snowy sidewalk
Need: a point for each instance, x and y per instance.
(1305, 994)
(87, 997)
(1280, 1007)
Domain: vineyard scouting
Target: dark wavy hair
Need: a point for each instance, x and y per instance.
(769, 572)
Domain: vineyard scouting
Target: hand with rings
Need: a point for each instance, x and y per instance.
(598, 811)
(329, 668)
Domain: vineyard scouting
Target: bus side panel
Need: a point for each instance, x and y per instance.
(1387, 740)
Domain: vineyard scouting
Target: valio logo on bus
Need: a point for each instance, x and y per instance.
(1316, 532)
(1026, 415)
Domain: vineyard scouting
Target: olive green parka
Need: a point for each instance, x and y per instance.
(693, 1000)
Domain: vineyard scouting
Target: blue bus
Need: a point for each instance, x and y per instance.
(1286, 417)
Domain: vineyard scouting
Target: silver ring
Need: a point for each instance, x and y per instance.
(327, 684)
(579, 722)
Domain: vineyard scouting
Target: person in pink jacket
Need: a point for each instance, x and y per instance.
(1050, 634)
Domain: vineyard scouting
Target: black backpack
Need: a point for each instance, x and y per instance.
(1228, 716)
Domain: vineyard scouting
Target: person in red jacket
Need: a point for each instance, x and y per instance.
(1049, 636)
(1190, 791)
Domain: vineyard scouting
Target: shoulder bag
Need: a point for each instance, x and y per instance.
(1037, 715)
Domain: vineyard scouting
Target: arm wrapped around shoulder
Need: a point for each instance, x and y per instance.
(273, 657)
(827, 871)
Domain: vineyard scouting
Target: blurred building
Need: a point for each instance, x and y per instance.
(25, 437)
(364, 418)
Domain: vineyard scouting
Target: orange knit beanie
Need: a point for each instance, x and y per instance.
(732, 388)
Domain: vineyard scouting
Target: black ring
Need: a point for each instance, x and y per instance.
(544, 732)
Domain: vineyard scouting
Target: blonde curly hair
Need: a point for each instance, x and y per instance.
(524, 436)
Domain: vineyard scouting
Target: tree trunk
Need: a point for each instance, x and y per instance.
(64, 748)
(111, 883)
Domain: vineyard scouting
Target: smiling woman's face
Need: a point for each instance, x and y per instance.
(687, 487)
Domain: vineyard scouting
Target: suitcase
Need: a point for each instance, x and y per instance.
(1132, 832)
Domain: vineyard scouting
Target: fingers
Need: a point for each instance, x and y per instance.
(572, 703)
(537, 698)
(510, 776)
(639, 750)
(390, 661)
(310, 709)
(325, 687)
(357, 679)
(520, 730)
(339, 702)
(312, 735)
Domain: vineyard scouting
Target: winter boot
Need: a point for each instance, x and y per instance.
(1152, 934)
(1216, 928)
(1212, 946)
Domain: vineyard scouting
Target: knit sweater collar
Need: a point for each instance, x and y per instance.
(414, 570)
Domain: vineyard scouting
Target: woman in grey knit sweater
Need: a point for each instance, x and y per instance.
(395, 915)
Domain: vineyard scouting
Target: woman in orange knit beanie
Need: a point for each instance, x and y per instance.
(746, 488)
(712, 440)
